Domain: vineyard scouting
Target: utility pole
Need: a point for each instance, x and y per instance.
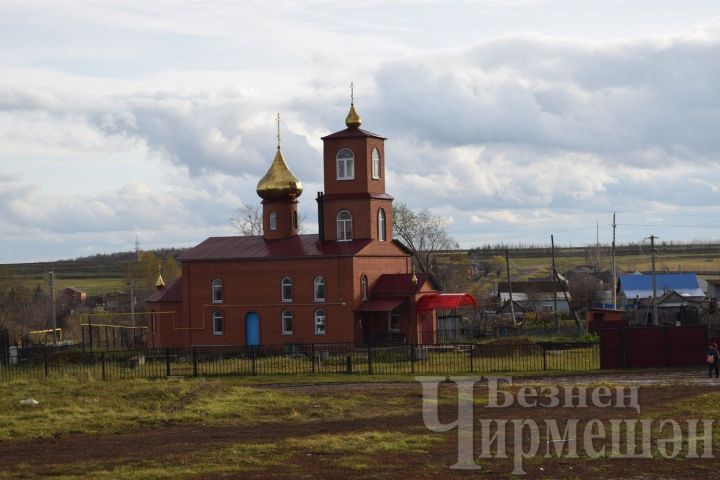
(52, 306)
(132, 301)
(614, 273)
(656, 320)
(554, 276)
(507, 268)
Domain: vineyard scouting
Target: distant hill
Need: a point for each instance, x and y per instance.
(109, 265)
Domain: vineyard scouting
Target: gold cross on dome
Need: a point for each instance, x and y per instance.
(352, 93)
(278, 130)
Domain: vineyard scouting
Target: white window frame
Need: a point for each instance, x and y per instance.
(394, 314)
(286, 282)
(217, 315)
(287, 315)
(317, 282)
(344, 226)
(363, 288)
(375, 161)
(320, 326)
(272, 220)
(345, 165)
(382, 231)
(216, 290)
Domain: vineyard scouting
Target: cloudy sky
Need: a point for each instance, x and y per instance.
(514, 119)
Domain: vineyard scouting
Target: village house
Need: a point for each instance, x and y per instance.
(350, 282)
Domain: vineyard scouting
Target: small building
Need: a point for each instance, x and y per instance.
(673, 309)
(637, 287)
(535, 295)
(601, 318)
(71, 298)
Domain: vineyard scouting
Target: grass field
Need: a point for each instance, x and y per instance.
(212, 428)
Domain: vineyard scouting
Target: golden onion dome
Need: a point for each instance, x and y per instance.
(353, 120)
(279, 182)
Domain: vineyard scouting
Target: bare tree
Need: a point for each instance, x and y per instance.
(423, 233)
(584, 290)
(249, 221)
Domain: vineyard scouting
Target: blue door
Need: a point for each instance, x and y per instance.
(252, 329)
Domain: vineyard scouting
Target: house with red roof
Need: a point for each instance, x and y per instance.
(350, 282)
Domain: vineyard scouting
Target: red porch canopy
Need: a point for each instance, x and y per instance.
(434, 301)
(380, 304)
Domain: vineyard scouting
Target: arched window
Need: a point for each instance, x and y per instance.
(287, 322)
(376, 164)
(319, 322)
(381, 225)
(319, 285)
(286, 289)
(363, 287)
(344, 226)
(217, 291)
(272, 220)
(345, 164)
(394, 321)
(153, 322)
(217, 323)
(294, 220)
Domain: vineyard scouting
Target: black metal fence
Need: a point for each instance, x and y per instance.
(306, 359)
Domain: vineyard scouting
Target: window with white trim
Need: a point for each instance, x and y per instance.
(217, 323)
(364, 287)
(344, 226)
(376, 164)
(287, 322)
(286, 289)
(272, 220)
(320, 322)
(394, 321)
(217, 290)
(345, 164)
(382, 233)
(319, 288)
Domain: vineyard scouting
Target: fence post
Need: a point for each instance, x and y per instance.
(45, 356)
(167, 362)
(472, 360)
(195, 362)
(370, 369)
(412, 358)
(254, 367)
(348, 364)
(312, 353)
(102, 365)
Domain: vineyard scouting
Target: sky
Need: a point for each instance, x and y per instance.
(512, 119)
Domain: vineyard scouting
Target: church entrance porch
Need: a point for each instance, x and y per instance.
(380, 322)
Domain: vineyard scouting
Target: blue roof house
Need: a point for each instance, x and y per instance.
(639, 285)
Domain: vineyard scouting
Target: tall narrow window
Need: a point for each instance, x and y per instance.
(376, 164)
(294, 220)
(272, 219)
(286, 288)
(319, 288)
(217, 323)
(381, 225)
(153, 322)
(344, 226)
(217, 291)
(320, 322)
(287, 322)
(345, 164)
(394, 321)
(363, 287)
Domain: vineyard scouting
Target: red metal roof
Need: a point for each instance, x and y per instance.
(434, 301)
(225, 248)
(398, 284)
(380, 304)
(353, 133)
(171, 293)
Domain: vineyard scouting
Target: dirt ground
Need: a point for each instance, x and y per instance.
(660, 395)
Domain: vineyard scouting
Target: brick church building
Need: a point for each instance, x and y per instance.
(350, 282)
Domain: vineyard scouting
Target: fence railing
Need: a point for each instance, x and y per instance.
(306, 359)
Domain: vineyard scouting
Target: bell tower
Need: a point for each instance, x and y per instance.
(279, 189)
(354, 205)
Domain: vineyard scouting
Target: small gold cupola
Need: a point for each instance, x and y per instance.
(352, 120)
(159, 283)
(279, 182)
